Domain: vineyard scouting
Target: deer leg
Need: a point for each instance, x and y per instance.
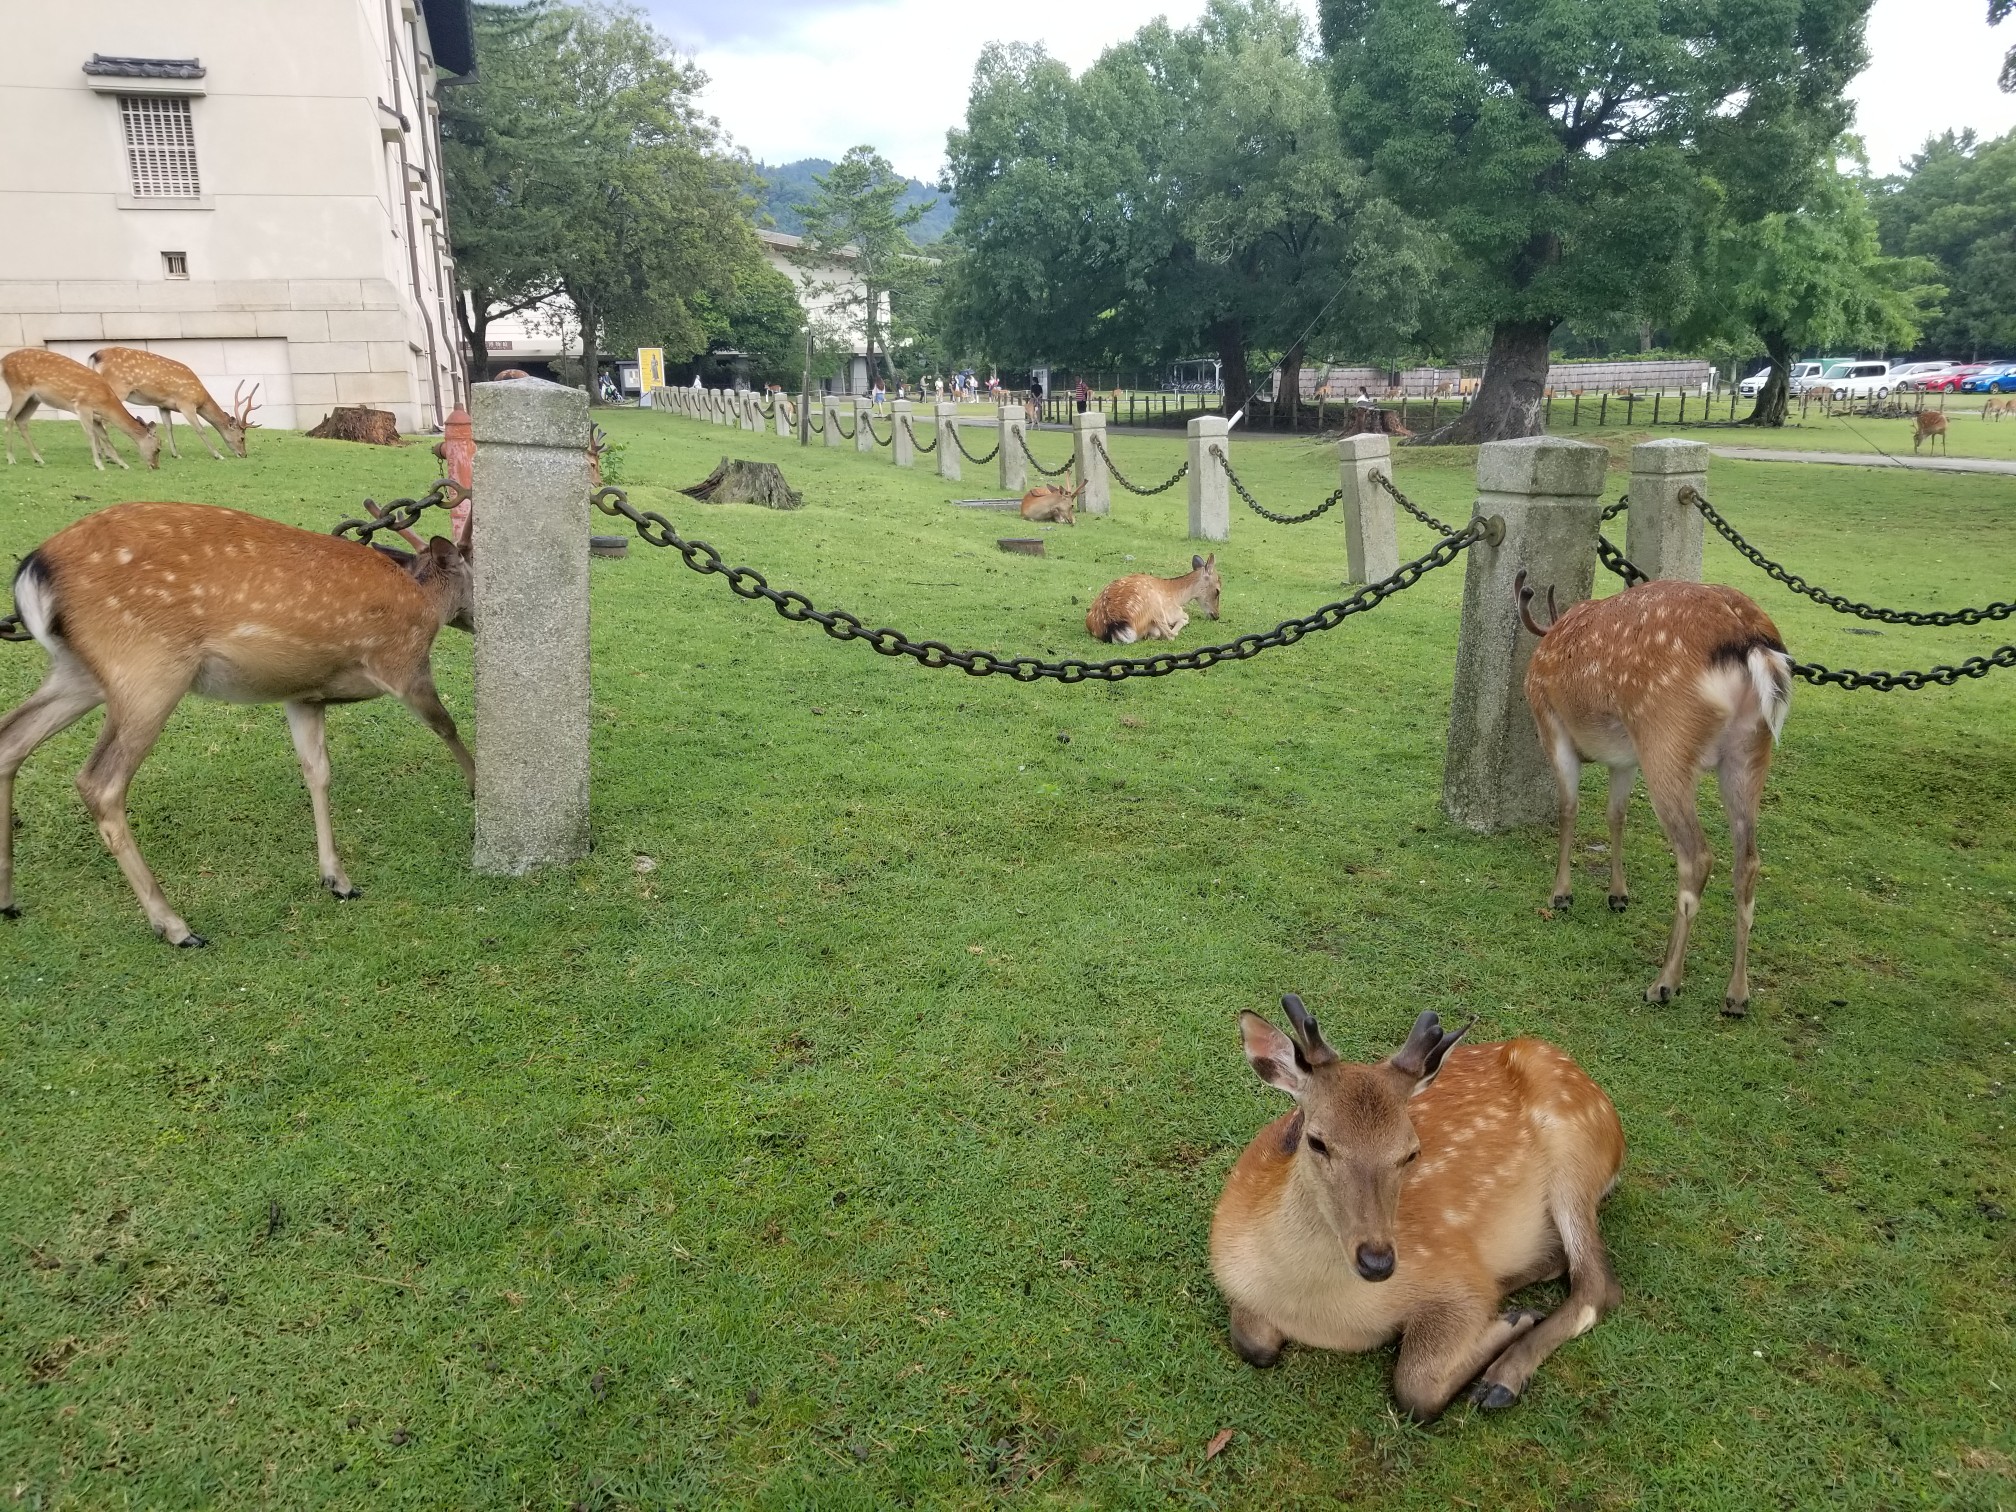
(95, 428)
(18, 416)
(133, 722)
(1593, 1292)
(1446, 1343)
(67, 694)
(420, 697)
(307, 724)
(1567, 764)
(1740, 775)
(1672, 787)
(168, 430)
(196, 424)
(1256, 1341)
(1621, 779)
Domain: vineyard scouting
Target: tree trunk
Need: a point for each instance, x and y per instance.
(737, 481)
(1290, 383)
(472, 311)
(591, 354)
(1229, 335)
(1774, 399)
(1511, 400)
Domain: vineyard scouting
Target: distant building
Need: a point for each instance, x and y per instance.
(254, 189)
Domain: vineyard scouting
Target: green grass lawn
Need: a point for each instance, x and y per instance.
(845, 1131)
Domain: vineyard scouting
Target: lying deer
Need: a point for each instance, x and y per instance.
(1931, 424)
(1674, 678)
(141, 604)
(139, 377)
(1411, 1197)
(1141, 607)
(36, 376)
(1052, 503)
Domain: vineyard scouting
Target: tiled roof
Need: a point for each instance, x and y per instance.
(144, 68)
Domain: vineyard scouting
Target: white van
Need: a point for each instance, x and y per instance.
(1802, 374)
(1862, 380)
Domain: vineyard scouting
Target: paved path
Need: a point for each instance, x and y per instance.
(1868, 459)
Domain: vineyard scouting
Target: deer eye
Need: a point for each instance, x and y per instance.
(1411, 1157)
(1318, 1146)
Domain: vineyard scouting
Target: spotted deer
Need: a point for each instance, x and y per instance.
(1931, 425)
(1411, 1197)
(173, 388)
(1051, 503)
(1141, 607)
(36, 376)
(142, 604)
(1673, 679)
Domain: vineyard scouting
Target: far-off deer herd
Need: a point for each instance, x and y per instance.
(1407, 1198)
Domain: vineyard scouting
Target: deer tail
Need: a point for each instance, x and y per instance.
(1525, 598)
(1771, 675)
(35, 599)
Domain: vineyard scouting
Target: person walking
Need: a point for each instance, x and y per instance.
(1083, 394)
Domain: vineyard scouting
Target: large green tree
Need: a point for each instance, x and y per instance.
(1189, 193)
(1808, 278)
(1956, 204)
(856, 218)
(586, 167)
(1573, 151)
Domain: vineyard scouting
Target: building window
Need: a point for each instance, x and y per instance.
(160, 146)
(174, 264)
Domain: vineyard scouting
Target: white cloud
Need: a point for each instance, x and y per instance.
(792, 79)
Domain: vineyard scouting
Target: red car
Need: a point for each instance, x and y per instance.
(1949, 383)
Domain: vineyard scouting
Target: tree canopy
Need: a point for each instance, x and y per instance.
(1190, 192)
(1956, 204)
(858, 215)
(1572, 151)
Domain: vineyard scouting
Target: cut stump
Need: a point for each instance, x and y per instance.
(1364, 420)
(374, 427)
(739, 482)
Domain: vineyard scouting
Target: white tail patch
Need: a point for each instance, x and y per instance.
(1771, 676)
(35, 601)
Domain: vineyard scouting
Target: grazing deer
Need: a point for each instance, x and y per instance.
(1141, 607)
(1052, 503)
(36, 376)
(173, 388)
(141, 604)
(1411, 1197)
(1931, 423)
(1675, 679)
(1995, 409)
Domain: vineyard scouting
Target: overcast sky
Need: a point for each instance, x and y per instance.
(811, 78)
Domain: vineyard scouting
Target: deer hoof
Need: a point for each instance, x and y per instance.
(1521, 1317)
(343, 891)
(1658, 992)
(1619, 902)
(1735, 1007)
(191, 941)
(11, 911)
(1490, 1396)
(1561, 900)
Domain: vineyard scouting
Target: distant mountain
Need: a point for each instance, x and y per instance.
(788, 186)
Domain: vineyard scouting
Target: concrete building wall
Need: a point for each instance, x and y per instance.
(318, 226)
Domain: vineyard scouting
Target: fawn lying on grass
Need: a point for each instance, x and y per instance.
(1052, 503)
(1141, 607)
(1411, 1197)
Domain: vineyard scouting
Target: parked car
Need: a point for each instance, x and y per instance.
(1752, 386)
(1819, 376)
(1985, 380)
(1861, 380)
(1806, 373)
(1911, 375)
(1949, 382)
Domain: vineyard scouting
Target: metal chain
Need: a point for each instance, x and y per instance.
(845, 434)
(1834, 601)
(869, 421)
(1048, 472)
(748, 583)
(1262, 510)
(1845, 677)
(1408, 504)
(817, 424)
(976, 461)
(402, 514)
(1618, 508)
(1134, 488)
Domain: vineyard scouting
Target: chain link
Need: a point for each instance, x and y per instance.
(1834, 601)
(1134, 488)
(1261, 509)
(921, 449)
(11, 629)
(748, 583)
(1408, 504)
(959, 441)
(869, 421)
(1614, 510)
(845, 434)
(1048, 472)
(1616, 561)
(403, 514)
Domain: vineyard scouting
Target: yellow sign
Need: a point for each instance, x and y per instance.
(650, 369)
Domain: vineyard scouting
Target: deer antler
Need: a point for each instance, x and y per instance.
(242, 405)
(1314, 1050)
(1526, 598)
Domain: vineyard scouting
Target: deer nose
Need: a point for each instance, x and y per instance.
(1375, 1261)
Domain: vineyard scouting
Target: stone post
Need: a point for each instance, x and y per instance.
(531, 662)
(946, 414)
(780, 402)
(1371, 540)
(1549, 492)
(1210, 489)
(864, 433)
(713, 405)
(1088, 460)
(1663, 536)
(1014, 466)
(901, 452)
(749, 407)
(831, 406)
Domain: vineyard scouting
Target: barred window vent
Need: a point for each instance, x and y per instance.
(160, 147)
(175, 264)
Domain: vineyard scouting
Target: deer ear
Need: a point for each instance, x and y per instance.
(1272, 1055)
(1196, 562)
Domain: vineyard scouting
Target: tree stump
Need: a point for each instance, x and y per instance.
(742, 482)
(374, 427)
(1368, 420)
